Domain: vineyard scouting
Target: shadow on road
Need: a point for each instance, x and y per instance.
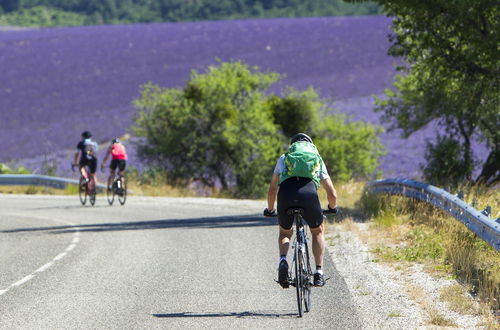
(233, 314)
(214, 222)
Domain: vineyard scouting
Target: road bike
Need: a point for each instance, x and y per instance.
(118, 188)
(301, 273)
(86, 188)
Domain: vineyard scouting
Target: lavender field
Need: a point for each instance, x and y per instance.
(55, 83)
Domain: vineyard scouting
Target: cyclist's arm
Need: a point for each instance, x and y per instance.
(331, 193)
(273, 192)
(108, 152)
(76, 157)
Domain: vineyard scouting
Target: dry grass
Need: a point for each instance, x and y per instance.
(33, 190)
(409, 230)
(456, 297)
(419, 295)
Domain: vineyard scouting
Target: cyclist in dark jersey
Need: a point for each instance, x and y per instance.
(300, 192)
(86, 155)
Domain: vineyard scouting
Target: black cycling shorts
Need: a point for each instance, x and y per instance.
(299, 192)
(91, 163)
(120, 163)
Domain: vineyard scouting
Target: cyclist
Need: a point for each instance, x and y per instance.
(118, 160)
(300, 191)
(87, 152)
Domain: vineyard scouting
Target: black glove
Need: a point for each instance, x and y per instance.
(268, 213)
(332, 211)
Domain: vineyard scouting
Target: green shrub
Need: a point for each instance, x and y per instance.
(42, 17)
(350, 149)
(223, 130)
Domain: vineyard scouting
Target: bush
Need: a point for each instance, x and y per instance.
(4, 169)
(216, 131)
(223, 131)
(350, 149)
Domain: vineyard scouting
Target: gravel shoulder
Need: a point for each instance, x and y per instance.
(388, 296)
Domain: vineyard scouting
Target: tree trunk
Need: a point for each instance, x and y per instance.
(490, 173)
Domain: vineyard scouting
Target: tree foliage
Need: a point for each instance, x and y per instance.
(223, 130)
(452, 75)
(216, 130)
(135, 11)
(447, 165)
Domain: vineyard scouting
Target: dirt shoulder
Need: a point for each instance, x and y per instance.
(390, 295)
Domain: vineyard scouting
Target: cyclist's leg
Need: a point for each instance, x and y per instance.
(93, 169)
(318, 244)
(285, 198)
(112, 170)
(83, 171)
(121, 170)
(284, 240)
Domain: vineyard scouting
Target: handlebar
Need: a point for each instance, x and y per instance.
(334, 211)
(331, 211)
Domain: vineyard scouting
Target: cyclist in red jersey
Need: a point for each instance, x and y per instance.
(118, 160)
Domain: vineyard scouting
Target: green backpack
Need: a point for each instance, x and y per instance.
(302, 160)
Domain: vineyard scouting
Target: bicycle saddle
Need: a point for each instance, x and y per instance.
(295, 210)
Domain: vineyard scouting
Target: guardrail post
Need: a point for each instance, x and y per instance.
(487, 211)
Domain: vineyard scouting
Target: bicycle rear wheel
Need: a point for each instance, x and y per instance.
(92, 192)
(82, 190)
(110, 194)
(122, 196)
(298, 278)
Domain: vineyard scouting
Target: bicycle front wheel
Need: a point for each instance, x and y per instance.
(306, 275)
(82, 191)
(297, 260)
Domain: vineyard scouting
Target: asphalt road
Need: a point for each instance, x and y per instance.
(155, 263)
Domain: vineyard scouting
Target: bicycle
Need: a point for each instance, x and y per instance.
(301, 266)
(119, 188)
(86, 187)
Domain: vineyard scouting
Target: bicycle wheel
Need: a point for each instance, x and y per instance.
(110, 194)
(306, 273)
(82, 190)
(122, 196)
(298, 277)
(92, 192)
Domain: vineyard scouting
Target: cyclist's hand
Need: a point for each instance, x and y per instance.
(73, 166)
(331, 211)
(271, 213)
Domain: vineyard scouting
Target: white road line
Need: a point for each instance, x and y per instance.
(24, 280)
(44, 267)
(74, 242)
(60, 256)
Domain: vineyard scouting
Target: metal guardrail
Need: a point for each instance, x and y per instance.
(484, 227)
(39, 180)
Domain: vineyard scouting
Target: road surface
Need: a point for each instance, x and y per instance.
(155, 263)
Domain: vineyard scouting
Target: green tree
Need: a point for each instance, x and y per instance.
(452, 73)
(215, 131)
(296, 111)
(350, 149)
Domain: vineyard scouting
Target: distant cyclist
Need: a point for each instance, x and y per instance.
(296, 179)
(86, 156)
(118, 160)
